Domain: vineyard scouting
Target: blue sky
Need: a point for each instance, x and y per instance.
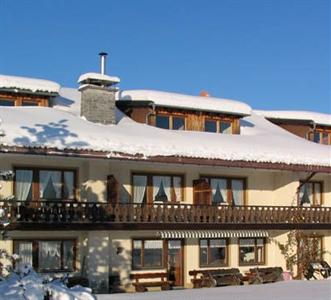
(272, 54)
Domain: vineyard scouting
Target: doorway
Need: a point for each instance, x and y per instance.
(175, 258)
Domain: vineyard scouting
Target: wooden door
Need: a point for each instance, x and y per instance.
(201, 192)
(175, 262)
(112, 189)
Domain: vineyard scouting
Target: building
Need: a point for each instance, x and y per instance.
(111, 182)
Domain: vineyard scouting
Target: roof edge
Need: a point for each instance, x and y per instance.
(165, 159)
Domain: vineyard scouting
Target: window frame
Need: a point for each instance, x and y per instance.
(228, 186)
(143, 240)
(320, 131)
(36, 181)
(171, 116)
(149, 187)
(17, 99)
(35, 253)
(208, 265)
(313, 182)
(255, 263)
(219, 121)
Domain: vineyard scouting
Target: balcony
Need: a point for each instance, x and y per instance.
(39, 215)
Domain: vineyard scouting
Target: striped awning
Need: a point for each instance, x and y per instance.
(197, 234)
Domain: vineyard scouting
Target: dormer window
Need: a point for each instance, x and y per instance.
(11, 99)
(170, 122)
(218, 125)
(162, 121)
(321, 136)
(210, 126)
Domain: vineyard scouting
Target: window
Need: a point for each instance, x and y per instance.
(147, 254)
(178, 123)
(47, 255)
(210, 126)
(225, 127)
(35, 184)
(213, 253)
(149, 188)
(251, 251)
(310, 194)
(7, 99)
(310, 246)
(168, 121)
(227, 190)
(162, 122)
(7, 102)
(321, 136)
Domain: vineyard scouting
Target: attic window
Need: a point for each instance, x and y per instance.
(6, 102)
(210, 126)
(321, 136)
(162, 121)
(10, 99)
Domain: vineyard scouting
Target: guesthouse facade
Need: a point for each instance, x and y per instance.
(110, 183)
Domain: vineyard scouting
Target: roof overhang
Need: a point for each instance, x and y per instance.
(291, 121)
(90, 154)
(28, 92)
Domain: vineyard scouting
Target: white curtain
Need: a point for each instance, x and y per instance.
(178, 188)
(317, 192)
(238, 192)
(23, 184)
(153, 244)
(305, 194)
(50, 255)
(68, 255)
(162, 180)
(50, 184)
(25, 252)
(139, 188)
(219, 185)
(68, 185)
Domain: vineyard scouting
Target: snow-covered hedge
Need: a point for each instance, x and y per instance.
(26, 284)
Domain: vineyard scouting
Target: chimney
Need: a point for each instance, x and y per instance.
(204, 94)
(98, 94)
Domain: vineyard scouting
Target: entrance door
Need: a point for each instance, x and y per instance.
(175, 261)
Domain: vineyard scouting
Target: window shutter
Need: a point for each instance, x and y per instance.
(112, 189)
(201, 192)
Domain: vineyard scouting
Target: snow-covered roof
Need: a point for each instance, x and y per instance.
(99, 77)
(61, 128)
(28, 84)
(176, 100)
(317, 118)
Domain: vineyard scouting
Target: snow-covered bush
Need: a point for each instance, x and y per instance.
(24, 283)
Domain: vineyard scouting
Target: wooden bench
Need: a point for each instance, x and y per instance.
(215, 277)
(141, 286)
(315, 268)
(264, 275)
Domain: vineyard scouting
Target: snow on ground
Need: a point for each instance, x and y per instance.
(30, 84)
(52, 128)
(318, 118)
(187, 102)
(286, 290)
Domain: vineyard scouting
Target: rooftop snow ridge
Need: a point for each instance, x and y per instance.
(187, 102)
(28, 84)
(317, 118)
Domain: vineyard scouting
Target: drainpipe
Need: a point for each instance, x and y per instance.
(151, 113)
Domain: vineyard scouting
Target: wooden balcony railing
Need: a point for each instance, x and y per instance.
(69, 213)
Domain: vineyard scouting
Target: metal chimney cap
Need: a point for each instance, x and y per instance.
(103, 53)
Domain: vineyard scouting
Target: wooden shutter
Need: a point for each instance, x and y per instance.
(112, 189)
(201, 192)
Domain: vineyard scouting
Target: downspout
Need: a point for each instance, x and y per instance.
(151, 113)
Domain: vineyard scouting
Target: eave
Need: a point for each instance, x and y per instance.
(91, 154)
